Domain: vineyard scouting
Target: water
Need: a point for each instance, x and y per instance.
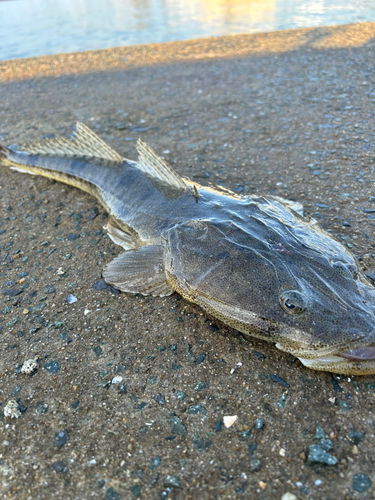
(39, 27)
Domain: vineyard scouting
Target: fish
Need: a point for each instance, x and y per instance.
(256, 263)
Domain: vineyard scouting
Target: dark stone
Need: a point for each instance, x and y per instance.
(159, 398)
(101, 483)
(97, 350)
(22, 408)
(361, 483)
(218, 426)
(122, 389)
(355, 436)
(61, 437)
(197, 410)
(255, 465)
(200, 386)
(201, 358)
(180, 395)
(141, 406)
(259, 355)
(100, 285)
(318, 455)
(11, 292)
(57, 466)
(72, 236)
(49, 289)
(75, 404)
(279, 380)
(111, 494)
(326, 444)
(136, 490)
(213, 327)
(52, 366)
(177, 427)
(319, 433)
(155, 463)
(335, 384)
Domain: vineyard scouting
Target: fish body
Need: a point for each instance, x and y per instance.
(255, 263)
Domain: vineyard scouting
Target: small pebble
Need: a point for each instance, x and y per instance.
(319, 433)
(200, 386)
(177, 427)
(259, 423)
(61, 437)
(255, 465)
(29, 366)
(117, 379)
(197, 410)
(361, 483)
(12, 410)
(318, 455)
(52, 366)
(155, 463)
(71, 299)
(172, 481)
(289, 496)
(229, 420)
(111, 494)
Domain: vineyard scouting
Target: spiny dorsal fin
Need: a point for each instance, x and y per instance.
(84, 143)
(150, 163)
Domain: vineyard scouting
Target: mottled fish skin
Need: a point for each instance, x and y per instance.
(255, 263)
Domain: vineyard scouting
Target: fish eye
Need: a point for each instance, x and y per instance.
(293, 302)
(346, 271)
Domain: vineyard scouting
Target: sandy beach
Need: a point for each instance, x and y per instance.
(131, 392)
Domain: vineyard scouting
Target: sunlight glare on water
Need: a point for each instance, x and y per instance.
(39, 27)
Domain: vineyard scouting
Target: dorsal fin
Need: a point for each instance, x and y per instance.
(150, 163)
(83, 143)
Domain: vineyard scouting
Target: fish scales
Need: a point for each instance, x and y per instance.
(255, 263)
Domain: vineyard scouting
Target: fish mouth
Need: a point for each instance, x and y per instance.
(356, 361)
(359, 361)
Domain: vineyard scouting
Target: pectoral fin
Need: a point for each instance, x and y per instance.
(139, 271)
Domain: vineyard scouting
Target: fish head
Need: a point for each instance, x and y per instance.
(282, 279)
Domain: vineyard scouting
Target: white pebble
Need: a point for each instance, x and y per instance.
(117, 379)
(12, 410)
(229, 420)
(289, 496)
(71, 299)
(29, 366)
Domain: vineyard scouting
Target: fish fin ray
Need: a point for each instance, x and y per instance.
(127, 238)
(83, 143)
(150, 163)
(294, 205)
(140, 270)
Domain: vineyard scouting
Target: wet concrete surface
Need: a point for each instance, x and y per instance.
(130, 393)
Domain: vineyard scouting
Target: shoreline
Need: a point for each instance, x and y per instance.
(130, 57)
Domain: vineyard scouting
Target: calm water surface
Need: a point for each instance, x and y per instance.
(39, 27)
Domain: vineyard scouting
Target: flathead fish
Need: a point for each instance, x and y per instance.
(255, 263)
